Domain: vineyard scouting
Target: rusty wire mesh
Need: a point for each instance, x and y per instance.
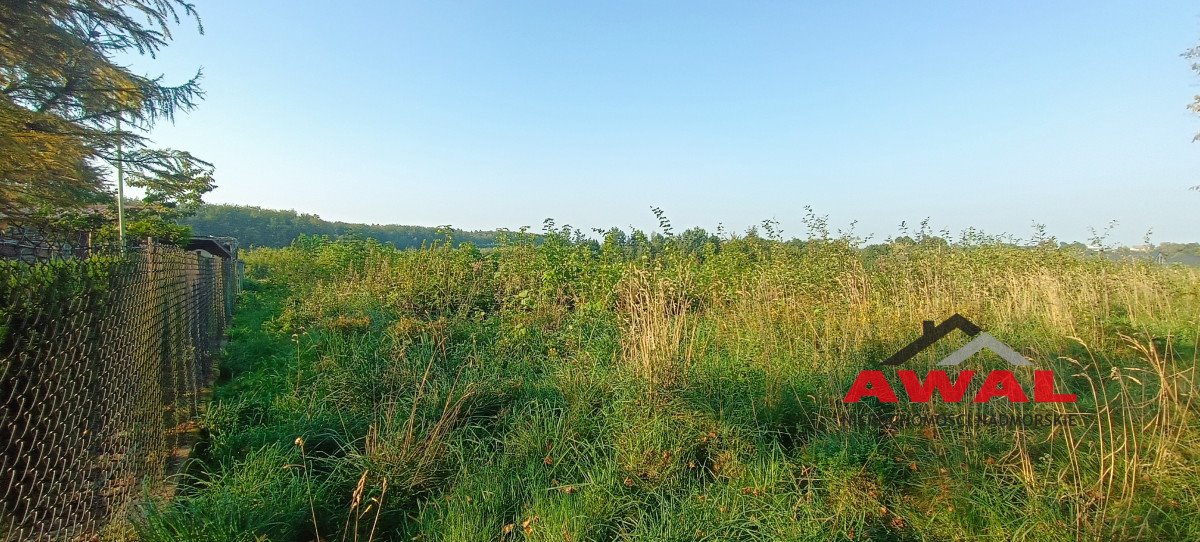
(102, 362)
(35, 244)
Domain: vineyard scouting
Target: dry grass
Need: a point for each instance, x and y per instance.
(658, 338)
(746, 349)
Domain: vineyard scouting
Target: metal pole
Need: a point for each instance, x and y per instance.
(120, 189)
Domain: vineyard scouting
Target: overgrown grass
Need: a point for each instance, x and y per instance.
(686, 388)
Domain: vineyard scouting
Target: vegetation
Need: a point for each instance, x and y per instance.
(672, 387)
(63, 98)
(1193, 56)
(1183, 253)
(255, 226)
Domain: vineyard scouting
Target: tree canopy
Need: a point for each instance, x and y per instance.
(255, 226)
(1193, 55)
(62, 91)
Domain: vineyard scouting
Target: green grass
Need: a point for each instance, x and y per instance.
(683, 388)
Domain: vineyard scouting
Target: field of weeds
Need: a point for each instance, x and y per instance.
(685, 387)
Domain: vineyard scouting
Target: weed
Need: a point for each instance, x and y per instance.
(687, 387)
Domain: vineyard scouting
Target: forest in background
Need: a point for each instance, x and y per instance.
(255, 226)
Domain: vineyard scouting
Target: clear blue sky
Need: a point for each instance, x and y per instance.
(501, 114)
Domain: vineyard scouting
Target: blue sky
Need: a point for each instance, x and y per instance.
(501, 114)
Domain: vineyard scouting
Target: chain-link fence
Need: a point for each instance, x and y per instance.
(102, 361)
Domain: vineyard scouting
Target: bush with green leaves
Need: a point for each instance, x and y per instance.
(688, 387)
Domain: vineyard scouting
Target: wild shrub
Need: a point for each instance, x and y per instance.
(662, 386)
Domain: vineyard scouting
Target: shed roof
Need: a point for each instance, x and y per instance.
(212, 246)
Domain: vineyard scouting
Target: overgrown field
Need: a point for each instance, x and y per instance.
(688, 388)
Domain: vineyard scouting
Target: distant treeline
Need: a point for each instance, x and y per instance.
(255, 226)
(1182, 253)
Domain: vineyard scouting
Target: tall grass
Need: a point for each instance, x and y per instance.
(688, 388)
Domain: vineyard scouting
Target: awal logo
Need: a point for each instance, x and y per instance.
(999, 383)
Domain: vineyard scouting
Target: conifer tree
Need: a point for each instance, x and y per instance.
(62, 91)
(1193, 55)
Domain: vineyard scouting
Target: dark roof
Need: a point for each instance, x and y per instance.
(212, 246)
